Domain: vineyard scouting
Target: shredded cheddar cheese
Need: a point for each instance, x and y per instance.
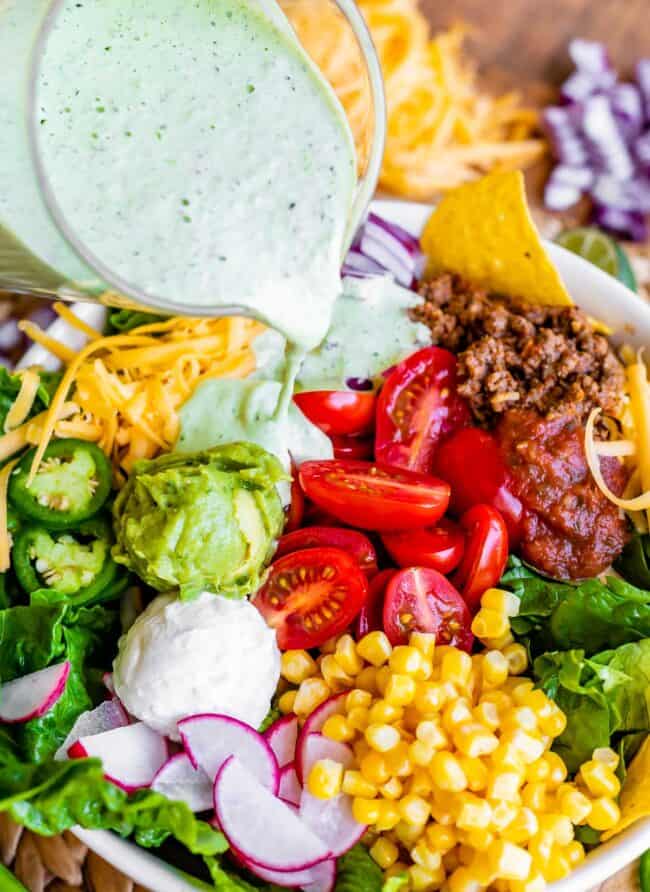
(128, 388)
(22, 406)
(441, 129)
(5, 536)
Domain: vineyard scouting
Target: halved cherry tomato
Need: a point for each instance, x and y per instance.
(352, 541)
(417, 408)
(339, 412)
(422, 600)
(296, 509)
(374, 496)
(440, 547)
(311, 595)
(371, 615)
(471, 462)
(353, 447)
(486, 553)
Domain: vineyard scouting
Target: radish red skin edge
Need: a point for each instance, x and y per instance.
(33, 695)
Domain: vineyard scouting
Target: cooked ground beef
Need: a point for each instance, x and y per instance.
(515, 355)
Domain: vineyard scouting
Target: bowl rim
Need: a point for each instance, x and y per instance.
(623, 310)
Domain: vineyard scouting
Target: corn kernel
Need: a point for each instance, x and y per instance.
(538, 773)
(474, 740)
(456, 667)
(462, 880)
(557, 867)
(311, 693)
(517, 658)
(358, 718)
(358, 698)
(506, 758)
(413, 809)
(425, 642)
(558, 769)
(534, 883)
(553, 724)
(489, 623)
(540, 847)
(286, 702)
(503, 814)
(487, 714)
(500, 642)
(534, 796)
(500, 600)
(431, 696)
(337, 727)
(575, 805)
(381, 679)
(421, 879)
(329, 646)
(528, 746)
(509, 861)
(495, 669)
(420, 783)
(406, 660)
(381, 712)
(384, 852)
(476, 772)
(447, 773)
(334, 674)
(599, 779)
(504, 785)
(297, 665)
(396, 870)
(537, 700)
(524, 826)
(520, 717)
(389, 816)
(424, 856)
(325, 778)
(450, 860)
(575, 853)
(607, 756)
(355, 784)
(429, 731)
(499, 698)
(559, 826)
(604, 814)
(382, 737)
(455, 713)
(408, 834)
(421, 753)
(399, 761)
(346, 655)
(366, 680)
(374, 769)
(360, 749)
(365, 811)
(400, 690)
(519, 688)
(440, 838)
(392, 789)
(474, 813)
(374, 648)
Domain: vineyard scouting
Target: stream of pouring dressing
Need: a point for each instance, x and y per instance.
(195, 151)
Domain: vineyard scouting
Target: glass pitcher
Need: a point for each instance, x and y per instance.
(39, 253)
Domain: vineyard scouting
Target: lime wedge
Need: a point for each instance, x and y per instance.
(601, 250)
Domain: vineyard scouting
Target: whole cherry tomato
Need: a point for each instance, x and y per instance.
(422, 600)
(471, 462)
(341, 413)
(486, 553)
(439, 547)
(353, 447)
(374, 496)
(371, 616)
(352, 541)
(311, 595)
(417, 408)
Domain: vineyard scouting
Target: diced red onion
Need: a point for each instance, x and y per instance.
(582, 84)
(642, 150)
(10, 336)
(627, 106)
(358, 265)
(359, 383)
(580, 178)
(560, 197)
(563, 124)
(613, 193)
(382, 247)
(43, 316)
(628, 224)
(588, 55)
(605, 138)
(643, 80)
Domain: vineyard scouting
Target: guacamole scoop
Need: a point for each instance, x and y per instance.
(201, 522)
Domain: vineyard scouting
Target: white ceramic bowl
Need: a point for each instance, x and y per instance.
(599, 295)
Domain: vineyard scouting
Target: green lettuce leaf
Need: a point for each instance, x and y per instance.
(606, 698)
(590, 616)
(123, 321)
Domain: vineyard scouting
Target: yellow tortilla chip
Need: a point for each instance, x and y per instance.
(484, 232)
(634, 800)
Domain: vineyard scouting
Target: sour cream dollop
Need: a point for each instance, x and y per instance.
(209, 654)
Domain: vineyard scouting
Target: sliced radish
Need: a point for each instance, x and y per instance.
(311, 878)
(178, 779)
(211, 739)
(107, 681)
(314, 723)
(33, 695)
(313, 747)
(110, 714)
(331, 819)
(289, 788)
(131, 756)
(282, 737)
(260, 826)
